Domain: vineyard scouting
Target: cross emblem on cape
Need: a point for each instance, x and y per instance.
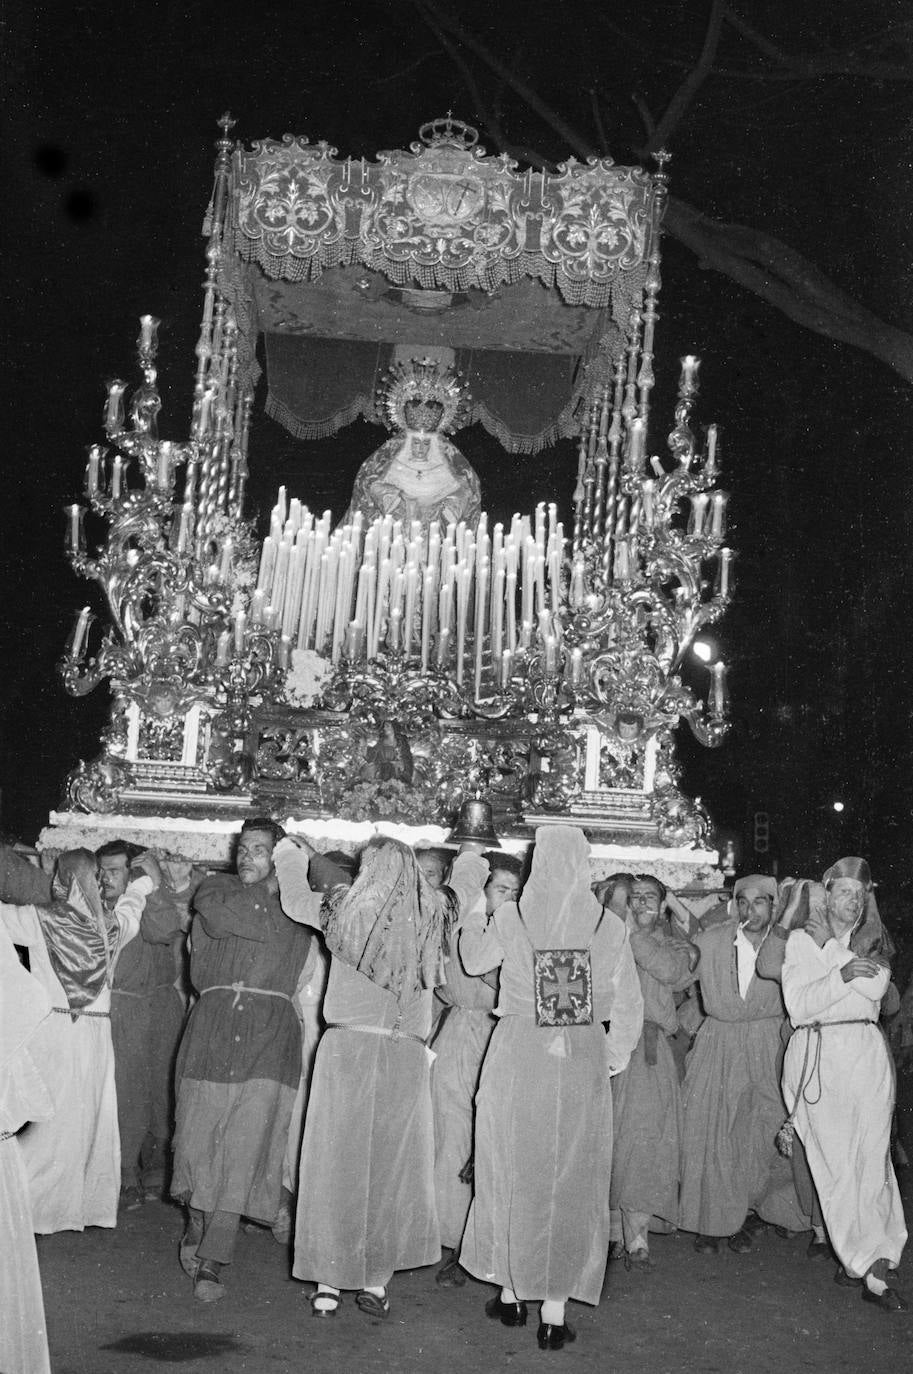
(563, 987)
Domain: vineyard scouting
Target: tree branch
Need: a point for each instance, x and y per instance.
(581, 146)
(829, 64)
(692, 83)
(785, 279)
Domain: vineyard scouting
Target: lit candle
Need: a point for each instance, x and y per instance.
(443, 646)
(511, 609)
(285, 652)
(228, 549)
(257, 606)
(718, 693)
(576, 667)
(724, 575)
(223, 649)
(690, 366)
(396, 618)
(117, 477)
(148, 329)
(699, 504)
(427, 608)
(114, 412)
(409, 623)
(74, 529)
(183, 539)
(718, 513)
(710, 464)
(240, 631)
(93, 470)
(577, 587)
(551, 655)
(506, 660)
(622, 561)
(164, 466)
(79, 635)
(637, 441)
(481, 600)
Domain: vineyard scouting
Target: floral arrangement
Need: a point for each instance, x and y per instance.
(307, 677)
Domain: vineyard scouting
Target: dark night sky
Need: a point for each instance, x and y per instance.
(109, 124)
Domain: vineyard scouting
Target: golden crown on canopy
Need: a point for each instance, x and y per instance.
(450, 131)
(425, 395)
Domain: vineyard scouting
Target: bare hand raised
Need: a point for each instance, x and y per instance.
(860, 968)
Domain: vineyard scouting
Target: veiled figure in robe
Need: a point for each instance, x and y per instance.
(419, 474)
(366, 1204)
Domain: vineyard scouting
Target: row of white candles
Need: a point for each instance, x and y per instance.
(441, 597)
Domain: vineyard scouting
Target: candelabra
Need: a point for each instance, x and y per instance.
(176, 572)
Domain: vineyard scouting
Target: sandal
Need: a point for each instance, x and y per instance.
(372, 1304)
(329, 1303)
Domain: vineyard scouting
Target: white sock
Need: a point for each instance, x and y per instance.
(326, 1298)
(508, 1295)
(553, 1312)
(378, 1291)
(819, 1234)
(874, 1285)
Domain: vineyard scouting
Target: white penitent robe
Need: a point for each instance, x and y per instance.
(24, 1006)
(844, 1080)
(72, 1161)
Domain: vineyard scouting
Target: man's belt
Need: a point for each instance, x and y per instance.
(240, 988)
(78, 1011)
(388, 1032)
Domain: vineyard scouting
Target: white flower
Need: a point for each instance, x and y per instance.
(306, 677)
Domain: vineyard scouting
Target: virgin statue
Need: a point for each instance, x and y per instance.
(419, 474)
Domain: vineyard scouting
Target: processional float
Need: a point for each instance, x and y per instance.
(396, 660)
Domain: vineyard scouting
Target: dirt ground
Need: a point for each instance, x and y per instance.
(117, 1303)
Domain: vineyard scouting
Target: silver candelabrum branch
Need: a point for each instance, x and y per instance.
(176, 570)
(649, 571)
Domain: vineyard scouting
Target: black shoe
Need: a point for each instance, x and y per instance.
(508, 1313)
(450, 1275)
(846, 1280)
(889, 1301)
(555, 1337)
(741, 1242)
(819, 1249)
(709, 1245)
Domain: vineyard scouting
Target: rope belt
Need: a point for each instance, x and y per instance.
(70, 1011)
(809, 1073)
(820, 1025)
(239, 988)
(388, 1032)
(8, 1135)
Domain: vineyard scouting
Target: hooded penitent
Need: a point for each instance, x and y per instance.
(388, 925)
(74, 929)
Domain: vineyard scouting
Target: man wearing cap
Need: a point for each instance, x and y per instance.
(838, 1081)
(733, 1179)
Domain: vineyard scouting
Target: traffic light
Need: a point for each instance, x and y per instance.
(761, 832)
